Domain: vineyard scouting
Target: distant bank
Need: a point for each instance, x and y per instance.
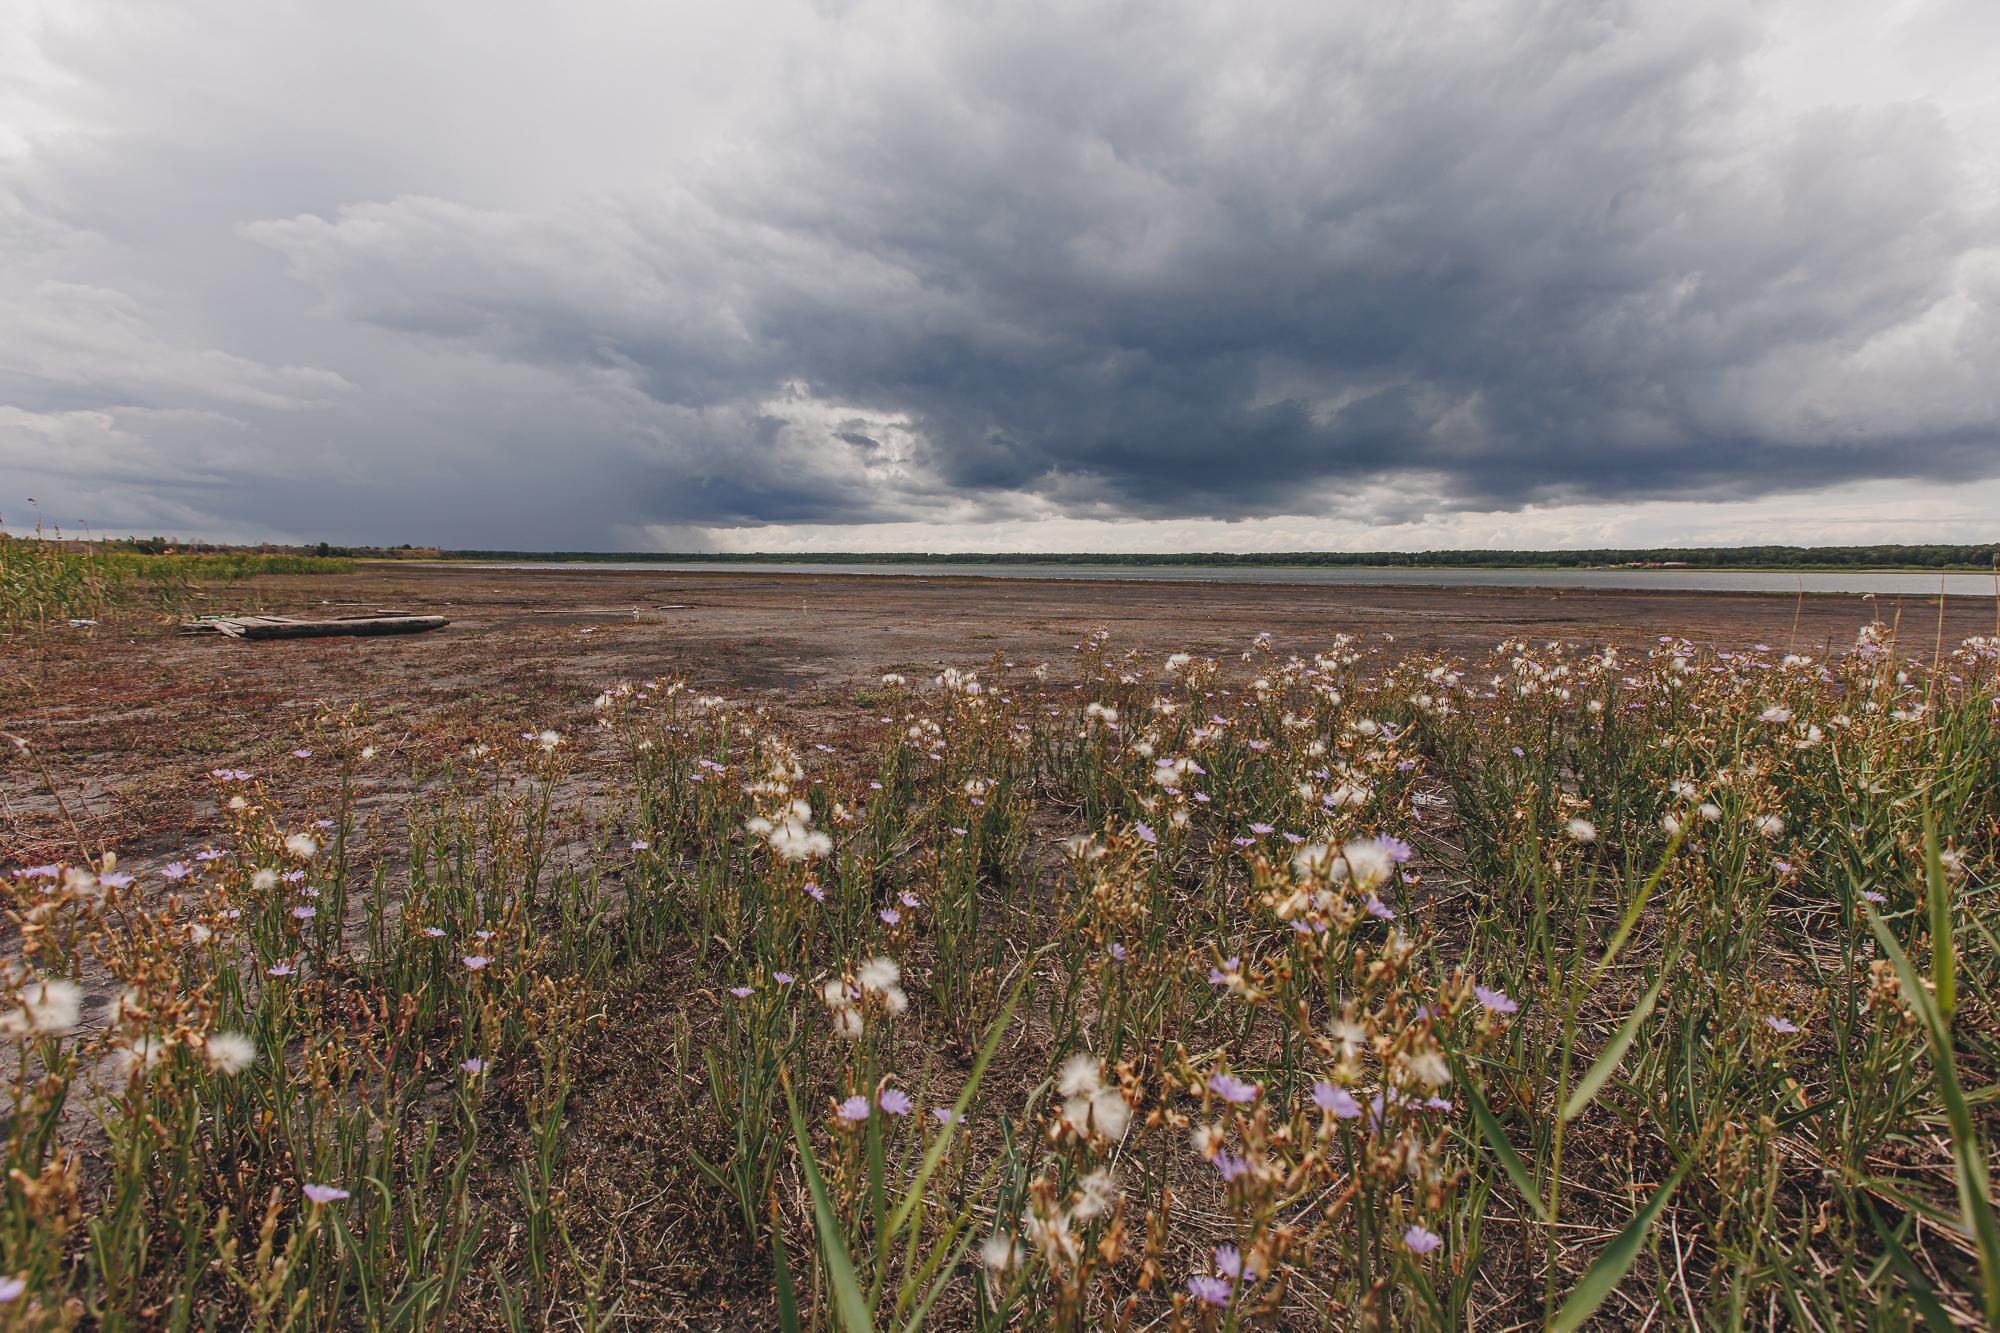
(1982, 558)
(1852, 582)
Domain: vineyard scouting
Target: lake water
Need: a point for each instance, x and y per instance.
(1666, 580)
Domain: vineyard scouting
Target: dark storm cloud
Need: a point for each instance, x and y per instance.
(1156, 262)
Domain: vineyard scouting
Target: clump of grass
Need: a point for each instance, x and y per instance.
(45, 580)
(1559, 988)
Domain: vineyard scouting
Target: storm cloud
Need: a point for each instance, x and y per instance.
(508, 277)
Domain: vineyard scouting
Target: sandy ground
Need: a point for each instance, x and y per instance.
(128, 718)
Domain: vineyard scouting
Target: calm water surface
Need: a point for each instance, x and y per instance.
(1665, 580)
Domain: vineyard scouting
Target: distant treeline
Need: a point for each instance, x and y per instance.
(1981, 557)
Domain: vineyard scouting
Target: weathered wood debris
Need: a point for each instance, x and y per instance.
(296, 627)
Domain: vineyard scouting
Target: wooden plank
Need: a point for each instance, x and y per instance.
(292, 627)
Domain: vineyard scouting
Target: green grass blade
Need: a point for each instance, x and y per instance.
(1944, 964)
(1968, 1154)
(1637, 905)
(1921, 1294)
(1503, 1151)
(915, 1193)
(1608, 1269)
(1607, 1063)
(781, 1275)
(848, 1303)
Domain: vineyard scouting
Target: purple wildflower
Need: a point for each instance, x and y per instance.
(1337, 1101)
(741, 992)
(1496, 1000)
(1782, 1026)
(473, 1066)
(324, 1193)
(895, 1101)
(853, 1110)
(1232, 1089)
(473, 962)
(1209, 1290)
(1421, 1241)
(1146, 835)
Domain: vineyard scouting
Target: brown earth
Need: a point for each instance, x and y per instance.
(129, 717)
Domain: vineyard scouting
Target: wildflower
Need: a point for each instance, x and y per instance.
(1496, 1001)
(325, 1193)
(1369, 862)
(815, 892)
(305, 913)
(1146, 835)
(1335, 1101)
(435, 932)
(1429, 1067)
(1231, 1263)
(1710, 811)
(1097, 1194)
(1777, 713)
(742, 992)
(1781, 1026)
(640, 844)
(880, 975)
(945, 1115)
(1229, 1166)
(1769, 826)
(1209, 1290)
(890, 916)
(853, 1110)
(473, 1066)
(1582, 830)
(474, 962)
(1874, 897)
(230, 1052)
(280, 970)
(1001, 1254)
(1089, 1104)
(46, 1008)
(1420, 1241)
(11, 1289)
(175, 871)
(1232, 1089)
(783, 978)
(895, 1101)
(140, 1056)
(302, 845)
(264, 880)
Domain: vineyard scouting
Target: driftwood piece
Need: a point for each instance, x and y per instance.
(295, 627)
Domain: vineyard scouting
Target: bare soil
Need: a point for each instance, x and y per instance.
(129, 717)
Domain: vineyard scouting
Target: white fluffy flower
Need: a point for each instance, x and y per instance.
(47, 1008)
(230, 1052)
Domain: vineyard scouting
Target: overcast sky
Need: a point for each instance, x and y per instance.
(763, 275)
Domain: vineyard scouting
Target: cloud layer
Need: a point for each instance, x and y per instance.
(506, 277)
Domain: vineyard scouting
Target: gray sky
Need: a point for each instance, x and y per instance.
(781, 276)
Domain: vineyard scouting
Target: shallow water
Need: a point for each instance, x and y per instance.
(1854, 582)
